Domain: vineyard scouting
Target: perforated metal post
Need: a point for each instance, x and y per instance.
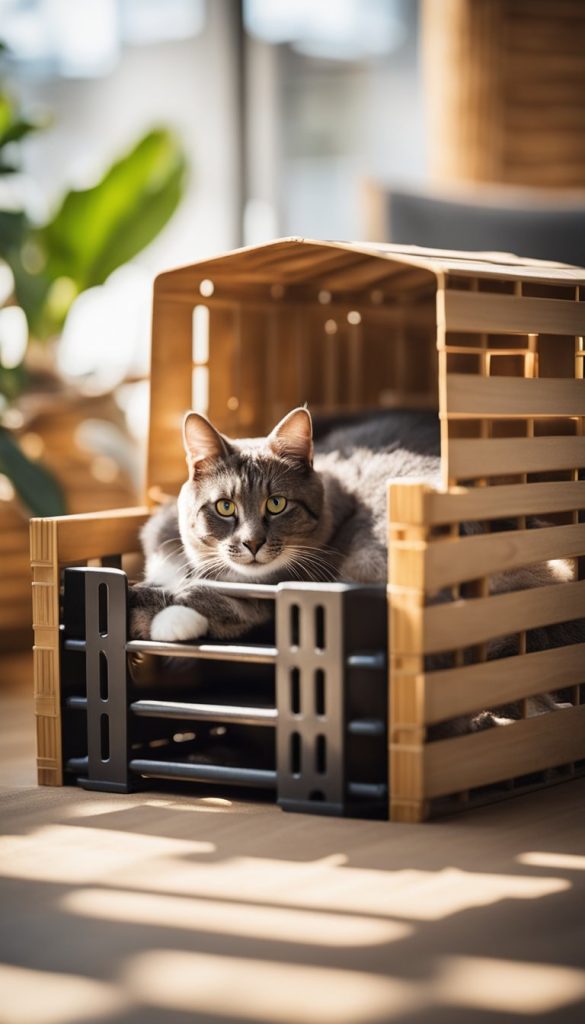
(331, 689)
(310, 732)
(106, 601)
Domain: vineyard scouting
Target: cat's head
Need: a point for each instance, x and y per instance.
(252, 509)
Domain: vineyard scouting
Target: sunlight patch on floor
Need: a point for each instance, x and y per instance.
(223, 918)
(72, 854)
(260, 990)
(328, 885)
(504, 986)
(130, 860)
(42, 997)
(569, 861)
(282, 993)
(206, 804)
(91, 808)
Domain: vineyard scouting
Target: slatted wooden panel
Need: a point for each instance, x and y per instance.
(453, 559)
(423, 693)
(289, 323)
(472, 397)
(461, 623)
(525, 746)
(517, 412)
(170, 390)
(270, 345)
(54, 543)
(422, 506)
(469, 458)
(469, 688)
(511, 314)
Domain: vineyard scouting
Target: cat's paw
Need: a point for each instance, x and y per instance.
(140, 620)
(177, 622)
(488, 720)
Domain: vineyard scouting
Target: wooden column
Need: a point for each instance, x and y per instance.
(505, 81)
(408, 537)
(46, 650)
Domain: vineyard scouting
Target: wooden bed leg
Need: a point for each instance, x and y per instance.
(46, 652)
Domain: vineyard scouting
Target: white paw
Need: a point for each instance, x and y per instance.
(178, 623)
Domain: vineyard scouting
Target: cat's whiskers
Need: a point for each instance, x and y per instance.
(313, 560)
(318, 571)
(212, 569)
(290, 567)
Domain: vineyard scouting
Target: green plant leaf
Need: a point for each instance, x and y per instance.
(97, 230)
(6, 113)
(35, 485)
(19, 128)
(14, 127)
(13, 227)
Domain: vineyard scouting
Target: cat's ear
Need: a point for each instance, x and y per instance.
(202, 441)
(293, 437)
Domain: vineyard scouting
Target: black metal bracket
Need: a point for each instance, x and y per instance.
(105, 595)
(331, 695)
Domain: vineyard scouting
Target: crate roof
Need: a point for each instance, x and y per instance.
(344, 265)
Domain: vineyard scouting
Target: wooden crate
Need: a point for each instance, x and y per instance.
(495, 343)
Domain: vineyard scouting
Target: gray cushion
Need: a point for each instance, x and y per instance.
(540, 232)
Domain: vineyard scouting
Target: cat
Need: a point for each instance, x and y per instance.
(266, 510)
(283, 508)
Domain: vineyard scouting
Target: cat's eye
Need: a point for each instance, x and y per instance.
(275, 504)
(225, 507)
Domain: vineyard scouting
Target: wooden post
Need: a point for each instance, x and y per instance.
(46, 653)
(408, 538)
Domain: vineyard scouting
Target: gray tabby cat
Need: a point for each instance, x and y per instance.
(271, 509)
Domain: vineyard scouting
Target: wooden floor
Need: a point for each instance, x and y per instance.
(166, 907)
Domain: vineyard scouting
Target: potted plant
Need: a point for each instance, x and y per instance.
(43, 269)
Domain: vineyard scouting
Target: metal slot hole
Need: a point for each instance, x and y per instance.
(320, 627)
(103, 609)
(295, 625)
(105, 737)
(295, 691)
(317, 794)
(295, 753)
(103, 676)
(319, 692)
(321, 755)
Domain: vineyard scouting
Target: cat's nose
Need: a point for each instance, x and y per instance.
(253, 545)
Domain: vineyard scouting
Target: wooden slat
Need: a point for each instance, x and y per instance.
(474, 397)
(411, 503)
(471, 688)
(453, 560)
(370, 273)
(170, 391)
(531, 745)
(512, 314)
(222, 371)
(480, 457)
(94, 534)
(466, 622)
